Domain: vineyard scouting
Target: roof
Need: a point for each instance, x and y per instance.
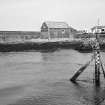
(51, 24)
(97, 27)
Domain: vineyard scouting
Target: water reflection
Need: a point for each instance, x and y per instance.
(50, 50)
(99, 95)
(46, 77)
(89, 94)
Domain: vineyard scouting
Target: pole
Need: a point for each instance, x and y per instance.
(79, 72)
(76, 75)
(97, 68)
(102, 68)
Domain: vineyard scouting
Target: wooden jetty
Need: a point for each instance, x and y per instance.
(98, 64)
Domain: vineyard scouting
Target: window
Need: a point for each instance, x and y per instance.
(63, 31)
(55, 34)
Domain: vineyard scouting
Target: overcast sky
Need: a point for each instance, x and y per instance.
(28, 15)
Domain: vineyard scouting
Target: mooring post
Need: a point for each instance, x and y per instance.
(97, 67)
(76, 75)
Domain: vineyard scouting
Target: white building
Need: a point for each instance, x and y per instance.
(98, 29)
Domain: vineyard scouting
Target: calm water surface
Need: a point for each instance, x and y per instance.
(35, 78)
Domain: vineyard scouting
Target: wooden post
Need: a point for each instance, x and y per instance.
(97, 68)
(76, 75)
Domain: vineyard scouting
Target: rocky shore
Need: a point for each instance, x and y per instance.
(80, 45)
(26, 46)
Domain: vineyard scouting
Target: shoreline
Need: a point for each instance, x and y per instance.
(47, 45)
(37, 46)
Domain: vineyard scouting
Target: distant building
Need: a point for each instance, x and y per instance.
(99, 29)
(18, 36)
(51, 30)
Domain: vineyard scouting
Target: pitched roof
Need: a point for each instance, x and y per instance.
(52, 24)
(97, 27)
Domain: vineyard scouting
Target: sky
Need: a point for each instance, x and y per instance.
(28, 15)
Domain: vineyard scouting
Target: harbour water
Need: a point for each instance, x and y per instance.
(42, 78)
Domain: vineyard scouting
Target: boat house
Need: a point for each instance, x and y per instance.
(55, 30)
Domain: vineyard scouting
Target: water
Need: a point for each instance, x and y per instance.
(35, 78)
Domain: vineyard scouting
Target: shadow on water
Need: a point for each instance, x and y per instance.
(99, 96)
(90, 95)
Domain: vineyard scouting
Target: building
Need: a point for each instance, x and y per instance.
(99, 29)
(17, 36)
(52, 30)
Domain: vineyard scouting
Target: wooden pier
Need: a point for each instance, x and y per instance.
(98, 64)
